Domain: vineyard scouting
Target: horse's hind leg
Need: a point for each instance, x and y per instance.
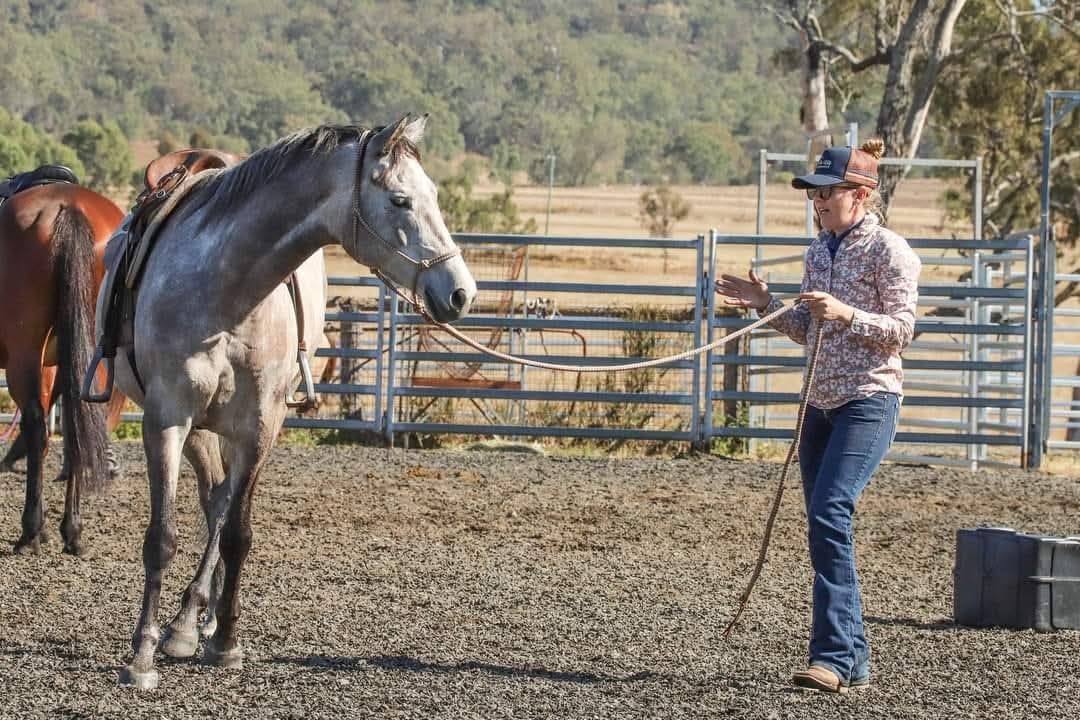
(15, 452)
(223, 648)
(181, 638)
(24, 384)
(163, 441)
(71, 523)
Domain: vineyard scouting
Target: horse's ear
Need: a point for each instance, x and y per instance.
(385, 140)
(414, 129)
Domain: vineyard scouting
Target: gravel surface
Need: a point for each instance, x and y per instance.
(492, 585)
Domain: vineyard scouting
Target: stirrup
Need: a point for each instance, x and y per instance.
(310, 401)
(87, 392)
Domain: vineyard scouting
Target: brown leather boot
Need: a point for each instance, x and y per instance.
(820, 678)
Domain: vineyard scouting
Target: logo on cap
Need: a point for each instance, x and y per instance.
(824, 163)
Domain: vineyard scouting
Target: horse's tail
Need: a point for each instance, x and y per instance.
(85, 436)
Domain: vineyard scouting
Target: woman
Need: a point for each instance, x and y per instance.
(860, 287)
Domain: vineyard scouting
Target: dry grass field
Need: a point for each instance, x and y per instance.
(612, 212)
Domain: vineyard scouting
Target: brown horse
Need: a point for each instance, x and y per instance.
(52, 242)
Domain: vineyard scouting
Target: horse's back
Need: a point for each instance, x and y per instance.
(28, 217)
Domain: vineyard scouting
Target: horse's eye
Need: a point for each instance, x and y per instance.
(401, 201)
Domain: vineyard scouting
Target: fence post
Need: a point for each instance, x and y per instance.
(731, 379)
(388, 414)
(705, 405)
(701, 302)
(347, 369)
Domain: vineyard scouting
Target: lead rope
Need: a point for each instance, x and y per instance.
(453, 331)
(792, 451)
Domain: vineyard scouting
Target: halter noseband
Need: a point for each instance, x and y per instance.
(361, 228)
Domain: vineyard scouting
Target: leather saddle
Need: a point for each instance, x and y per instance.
(44, 175)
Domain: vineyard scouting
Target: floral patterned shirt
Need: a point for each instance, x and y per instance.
(876, 272)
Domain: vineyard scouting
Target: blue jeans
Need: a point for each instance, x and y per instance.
(839, 451)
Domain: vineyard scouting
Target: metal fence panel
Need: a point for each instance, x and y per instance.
(967, 373)
(439, 386)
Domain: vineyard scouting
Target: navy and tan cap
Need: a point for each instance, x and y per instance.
(841, 165)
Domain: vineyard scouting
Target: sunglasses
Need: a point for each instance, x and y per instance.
(826, 192)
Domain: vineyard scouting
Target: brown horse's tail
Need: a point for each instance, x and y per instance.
(85, 437)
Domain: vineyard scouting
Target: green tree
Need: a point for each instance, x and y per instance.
(595, 152)
(464, 213)
(658, 210)
(103, 151)
(992, 108)
(709, 153)
(579, 80)
(13, 159)
(25, 148)
(202, 137)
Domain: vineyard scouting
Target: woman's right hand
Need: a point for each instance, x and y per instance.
(753, 293)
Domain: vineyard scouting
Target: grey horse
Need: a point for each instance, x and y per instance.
(216, 338)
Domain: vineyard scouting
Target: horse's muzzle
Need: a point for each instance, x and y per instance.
(453, 306)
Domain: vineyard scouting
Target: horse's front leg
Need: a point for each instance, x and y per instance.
(203, 451)
(163, 441)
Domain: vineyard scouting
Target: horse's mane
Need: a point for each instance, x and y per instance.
(223, 192)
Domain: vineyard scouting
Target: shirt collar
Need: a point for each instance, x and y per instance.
(836, 239)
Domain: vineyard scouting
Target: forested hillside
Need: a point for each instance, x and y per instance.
(686, 90)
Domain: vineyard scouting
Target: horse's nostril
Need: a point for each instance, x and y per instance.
(458, 299)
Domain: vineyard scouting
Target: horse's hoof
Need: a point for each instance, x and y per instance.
(75, 548)
(179, 645)
(138, 679)
(231, 659)
(7, 467)
(28, 546)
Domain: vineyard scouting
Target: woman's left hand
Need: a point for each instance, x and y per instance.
(823, 306)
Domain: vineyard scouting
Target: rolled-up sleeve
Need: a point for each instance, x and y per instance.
(897, 279)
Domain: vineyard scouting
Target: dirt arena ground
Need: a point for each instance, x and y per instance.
(504, 585)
